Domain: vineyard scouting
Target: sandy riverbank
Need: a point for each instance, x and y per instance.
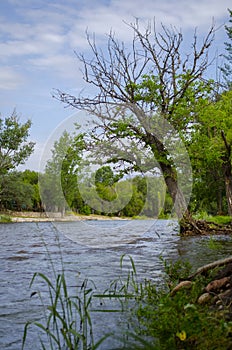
(47, 217)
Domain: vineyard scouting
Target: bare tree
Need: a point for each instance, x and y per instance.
(148, 92)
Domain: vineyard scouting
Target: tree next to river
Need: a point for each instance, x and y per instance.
(138, 92)
(58, 183)
(14, 147)
(211, 150)
(14, 150)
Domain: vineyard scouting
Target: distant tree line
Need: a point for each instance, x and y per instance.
(22, 190)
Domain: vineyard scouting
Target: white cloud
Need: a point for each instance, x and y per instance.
(45, 34)
(185, 14)
(9, 78)
(66, 66)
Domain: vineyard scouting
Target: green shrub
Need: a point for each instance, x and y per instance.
(221, 220)
(178, 321)
(5, 218)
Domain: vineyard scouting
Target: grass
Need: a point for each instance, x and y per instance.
(221, 220)
(217, 219)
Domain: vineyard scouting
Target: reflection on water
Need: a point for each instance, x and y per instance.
(91, 250)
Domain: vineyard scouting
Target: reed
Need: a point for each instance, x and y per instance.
(67, 320)
(152, 317)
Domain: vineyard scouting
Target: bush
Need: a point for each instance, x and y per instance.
(4, 218)
(85, 210)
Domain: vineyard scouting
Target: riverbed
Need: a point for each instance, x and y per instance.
(86, 249)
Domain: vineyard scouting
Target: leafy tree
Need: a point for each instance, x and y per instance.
(31, 177)
(135, 205)
(105, 176)
(142, 95)
(104, 181)
(16, 194)
(58, 185)
(212, 147)
(155, 194)
(14, 147)
(14, 150)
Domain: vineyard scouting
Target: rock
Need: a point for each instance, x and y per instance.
(204, 298)
(217, 295)
(217, 284)
(183, 284)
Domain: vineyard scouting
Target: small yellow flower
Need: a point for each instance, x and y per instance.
(181, 335)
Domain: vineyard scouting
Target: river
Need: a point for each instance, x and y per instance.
(92, 250)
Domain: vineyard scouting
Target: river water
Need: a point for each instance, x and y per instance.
(90, 249)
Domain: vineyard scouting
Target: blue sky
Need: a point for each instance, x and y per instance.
(38, 39)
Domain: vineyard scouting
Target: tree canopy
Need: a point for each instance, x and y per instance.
(14, 145)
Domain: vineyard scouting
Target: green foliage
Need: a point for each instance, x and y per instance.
(147, 197)
(67, 321)
(202, 215)
(19, 191)
(105, 176)
(175, 271)
(136, 203)
(15, 193)
(85, 210)
(4, 218)
(140, 92)
(222, 220)
(58, 185)
(15, 149)
(177, 321)
(105, 180)
(211, 141)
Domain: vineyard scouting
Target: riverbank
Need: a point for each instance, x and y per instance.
(14, 216)
(27, 248)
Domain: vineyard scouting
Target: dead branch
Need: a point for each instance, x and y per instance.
(210, 266)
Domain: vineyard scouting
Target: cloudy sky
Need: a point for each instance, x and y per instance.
(38, 39)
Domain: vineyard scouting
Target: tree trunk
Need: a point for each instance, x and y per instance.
(219, 202)
(178, 199)
(228, 185)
